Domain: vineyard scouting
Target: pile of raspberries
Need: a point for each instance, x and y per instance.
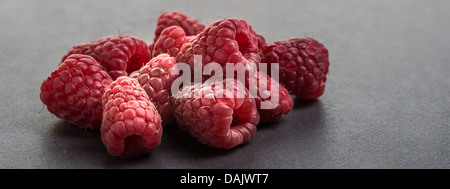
(122, 86)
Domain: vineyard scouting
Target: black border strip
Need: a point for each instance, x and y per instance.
(222, 177)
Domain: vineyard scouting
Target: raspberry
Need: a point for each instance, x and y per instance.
(217, 121)
(170, 41)
(119, 55)
(156, 79)
(283, 105)
(303, 64)
(225, 41)
(131, 125)
(189, 25)
(74, 90)
(150, 49)
(261, 41)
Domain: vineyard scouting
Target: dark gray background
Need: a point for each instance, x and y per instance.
(386, 103)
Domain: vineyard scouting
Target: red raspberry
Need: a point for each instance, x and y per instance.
(283, 105)
(131, 125)
(189, 25)
(225, 41)
(219, 122)
(73, 92)
(303, 64)
(119, 55)
(150, 49)
(261, 41)
(170, 41)
(156, 79)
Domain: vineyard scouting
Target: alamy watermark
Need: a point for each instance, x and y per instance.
(242, 74)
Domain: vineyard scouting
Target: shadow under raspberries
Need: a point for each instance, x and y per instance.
(301, 104)
(182, 142)
(83, 148)
(73, 144)
(297, 114)
(67, 142)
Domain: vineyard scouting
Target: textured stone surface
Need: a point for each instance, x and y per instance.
(386, 104)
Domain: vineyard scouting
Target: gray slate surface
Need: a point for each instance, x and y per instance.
(386, 103)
